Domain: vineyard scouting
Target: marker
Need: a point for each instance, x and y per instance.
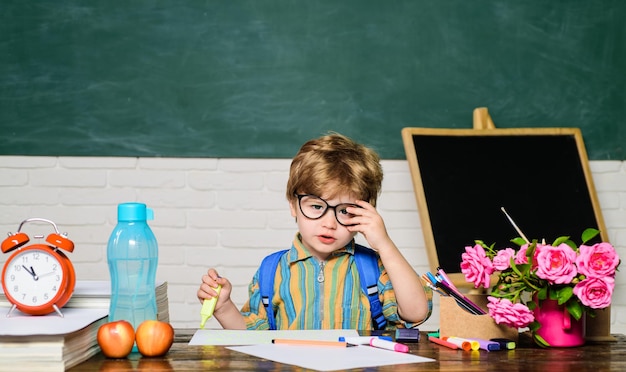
(431, 285)
(487, 345)
(406, 335)
(208, 306)
(474, 345)
(442, 342)
(461, 299)
(389, 345)
(432, 278)
(505, 343)
(285, 341)
(462, 344)
(446, 279)
(362, 340)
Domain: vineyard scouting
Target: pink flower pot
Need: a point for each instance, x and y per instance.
(558, 327)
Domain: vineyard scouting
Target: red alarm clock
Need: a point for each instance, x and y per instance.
(38, 279)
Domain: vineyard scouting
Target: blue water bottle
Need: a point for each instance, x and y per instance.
(132, 255)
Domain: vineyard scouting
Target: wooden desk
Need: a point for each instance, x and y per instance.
(597, 357)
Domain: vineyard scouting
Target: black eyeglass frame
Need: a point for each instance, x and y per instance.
(328, 206)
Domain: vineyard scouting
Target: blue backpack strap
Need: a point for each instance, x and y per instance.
(267, 273)
(367, 263)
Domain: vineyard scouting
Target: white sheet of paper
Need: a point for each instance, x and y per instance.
(245, 337)
(322, 358)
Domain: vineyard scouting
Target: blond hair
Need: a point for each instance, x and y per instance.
(335, 164)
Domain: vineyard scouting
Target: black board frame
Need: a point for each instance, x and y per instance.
(438, 216)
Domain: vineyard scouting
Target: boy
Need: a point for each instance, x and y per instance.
(332, 190)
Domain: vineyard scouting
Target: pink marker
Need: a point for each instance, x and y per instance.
(389, 345)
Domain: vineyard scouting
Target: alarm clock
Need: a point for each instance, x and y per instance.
(38, 279)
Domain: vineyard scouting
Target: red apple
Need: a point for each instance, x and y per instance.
(154, 338)
(116, 338)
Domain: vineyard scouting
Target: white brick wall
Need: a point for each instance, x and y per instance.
(224, 213)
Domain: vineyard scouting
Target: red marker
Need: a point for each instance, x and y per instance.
(442, 342)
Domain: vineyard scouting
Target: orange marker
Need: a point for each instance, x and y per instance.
(465, 345)
(474, 345)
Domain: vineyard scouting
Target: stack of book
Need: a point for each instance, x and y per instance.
(54, 343)
(51, 342)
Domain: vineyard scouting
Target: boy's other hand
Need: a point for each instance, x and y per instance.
(208, 287)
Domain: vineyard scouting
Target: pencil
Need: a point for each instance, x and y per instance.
(284, 341)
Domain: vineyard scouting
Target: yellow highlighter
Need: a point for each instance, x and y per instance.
(208, 307)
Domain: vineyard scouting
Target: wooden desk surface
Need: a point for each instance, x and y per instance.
(594, 356)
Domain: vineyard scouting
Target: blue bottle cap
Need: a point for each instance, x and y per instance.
(134, 212)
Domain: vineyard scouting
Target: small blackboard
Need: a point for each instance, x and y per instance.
(463, 177)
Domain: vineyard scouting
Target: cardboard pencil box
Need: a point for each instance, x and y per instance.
(454, 321)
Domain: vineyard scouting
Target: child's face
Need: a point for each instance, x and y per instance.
(325, 234)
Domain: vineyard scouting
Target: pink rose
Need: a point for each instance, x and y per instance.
(476, 266)
(595, 292)
(521, 258)
(502, 260)
(556, 264)
(597, 261)
(503, 311)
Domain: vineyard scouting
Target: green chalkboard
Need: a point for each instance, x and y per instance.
(255, 79)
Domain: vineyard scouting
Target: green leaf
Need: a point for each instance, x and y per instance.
(534, 326)
(524, 269)
(519, 241)
(589, 234)
(575, 309)
(553, 295)
(540, 341)
(572, 245)
(530, 252)
(559, 240)
(564, 294)
(543, 293)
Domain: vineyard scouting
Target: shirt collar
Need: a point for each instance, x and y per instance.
(299, 252)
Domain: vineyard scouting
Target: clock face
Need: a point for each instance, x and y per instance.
(34, 278)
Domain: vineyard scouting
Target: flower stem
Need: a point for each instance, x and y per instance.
(528, 283)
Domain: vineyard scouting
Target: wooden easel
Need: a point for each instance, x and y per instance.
(598, 328)
(482, 119)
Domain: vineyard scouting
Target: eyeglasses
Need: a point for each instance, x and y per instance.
(314, 207)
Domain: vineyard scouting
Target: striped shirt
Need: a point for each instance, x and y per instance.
(309, 294)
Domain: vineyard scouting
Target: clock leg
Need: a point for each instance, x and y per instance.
(56, 308)
(11, 310)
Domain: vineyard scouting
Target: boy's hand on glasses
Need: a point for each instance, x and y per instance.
(368, 222)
